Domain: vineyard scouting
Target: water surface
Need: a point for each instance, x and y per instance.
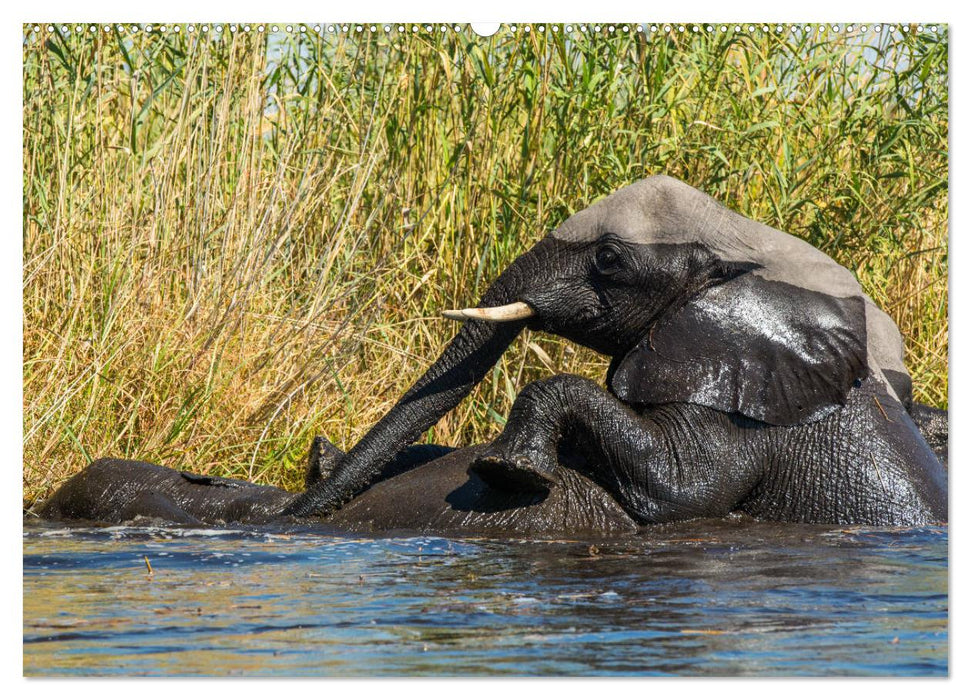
(713, 598)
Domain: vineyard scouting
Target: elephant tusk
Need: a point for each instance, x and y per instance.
(510, 312)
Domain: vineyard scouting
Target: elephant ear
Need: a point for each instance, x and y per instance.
(769, 350)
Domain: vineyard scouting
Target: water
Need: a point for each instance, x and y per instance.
(714, 598)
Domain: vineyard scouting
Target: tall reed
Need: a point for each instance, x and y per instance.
(234, 241)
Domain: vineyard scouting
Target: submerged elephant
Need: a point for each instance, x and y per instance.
(749, 373)
(425, 488)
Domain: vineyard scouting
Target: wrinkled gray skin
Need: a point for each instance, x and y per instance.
(749, 373)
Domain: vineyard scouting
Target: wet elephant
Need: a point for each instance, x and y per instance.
(749, 372)
(426, 489)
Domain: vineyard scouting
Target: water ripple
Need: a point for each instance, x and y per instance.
(709, 598)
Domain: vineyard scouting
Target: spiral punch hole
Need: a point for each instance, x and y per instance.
(485, 29)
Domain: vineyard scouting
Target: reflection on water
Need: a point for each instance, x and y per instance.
(729, 597)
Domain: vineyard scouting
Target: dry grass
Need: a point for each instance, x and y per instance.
(232, 244)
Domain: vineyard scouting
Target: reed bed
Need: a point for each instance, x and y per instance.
(236, 240)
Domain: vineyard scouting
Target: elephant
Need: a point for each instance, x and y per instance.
(749, 372)
(426, 488)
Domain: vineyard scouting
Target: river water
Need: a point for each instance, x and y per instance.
(731, 597)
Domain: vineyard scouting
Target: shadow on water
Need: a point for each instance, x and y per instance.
(730, 597)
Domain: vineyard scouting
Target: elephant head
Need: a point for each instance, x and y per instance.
(693, 302)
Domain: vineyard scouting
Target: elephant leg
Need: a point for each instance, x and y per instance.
(674, 463)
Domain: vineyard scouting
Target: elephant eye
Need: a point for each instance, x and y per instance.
(608, 259)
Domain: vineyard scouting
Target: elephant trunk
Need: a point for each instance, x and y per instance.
(472, 352)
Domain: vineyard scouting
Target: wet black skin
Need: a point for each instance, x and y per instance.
(818, 473)
(426, 489)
